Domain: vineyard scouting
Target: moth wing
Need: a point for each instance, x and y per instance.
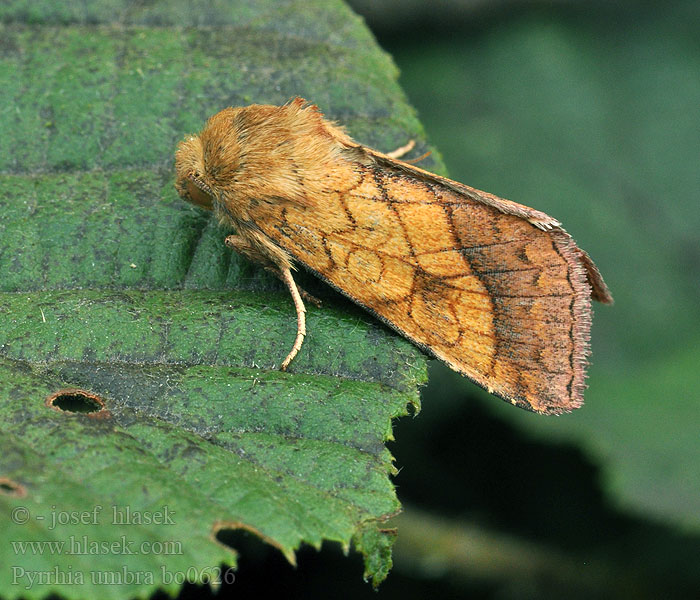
(541, 220)
(473, 279)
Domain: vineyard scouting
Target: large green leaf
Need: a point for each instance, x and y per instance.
(109, 283)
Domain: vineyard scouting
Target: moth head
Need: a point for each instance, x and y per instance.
(191, 181)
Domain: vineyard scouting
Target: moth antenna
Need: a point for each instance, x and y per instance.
(413, 161)
(402, 150)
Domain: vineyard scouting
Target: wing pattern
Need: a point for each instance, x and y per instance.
(492, 295)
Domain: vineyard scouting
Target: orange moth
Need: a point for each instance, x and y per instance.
(495, 289)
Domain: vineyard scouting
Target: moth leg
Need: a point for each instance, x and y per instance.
(244, 247)
(302, 292)
(277, 272)
(301, 317)
(402, 150)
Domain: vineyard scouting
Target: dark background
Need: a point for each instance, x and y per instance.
(588, 111)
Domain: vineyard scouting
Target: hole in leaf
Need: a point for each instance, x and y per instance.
(76, 401)
(12, 488)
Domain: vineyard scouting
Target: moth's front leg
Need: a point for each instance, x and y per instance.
(244, 247)
(301, 317)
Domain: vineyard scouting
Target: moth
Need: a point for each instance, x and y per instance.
(495, 289)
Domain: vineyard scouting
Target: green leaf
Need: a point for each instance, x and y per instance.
(114, 292)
